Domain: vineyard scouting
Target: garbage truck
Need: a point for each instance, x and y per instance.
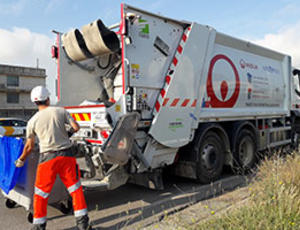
(153, 93)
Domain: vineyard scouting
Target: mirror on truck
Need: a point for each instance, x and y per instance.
(93, 40)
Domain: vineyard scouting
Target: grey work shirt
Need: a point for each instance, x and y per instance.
(49, 126)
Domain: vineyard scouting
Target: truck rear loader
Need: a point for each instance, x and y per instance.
(153, 93)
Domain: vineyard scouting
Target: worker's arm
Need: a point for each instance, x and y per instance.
(29, 145)
(70, 121)
(74, 125)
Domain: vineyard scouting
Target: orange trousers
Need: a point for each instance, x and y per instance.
(69, 173)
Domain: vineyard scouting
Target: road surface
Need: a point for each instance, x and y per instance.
(128, 207)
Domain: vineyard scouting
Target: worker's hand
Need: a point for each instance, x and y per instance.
(19, 163)
(71, 132)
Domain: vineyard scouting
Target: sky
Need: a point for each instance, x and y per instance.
(26, 25)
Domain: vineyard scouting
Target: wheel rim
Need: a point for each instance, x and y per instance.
(209, 156)
(246, 151)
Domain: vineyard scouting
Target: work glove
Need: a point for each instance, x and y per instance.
(71, 132)
(19, 163)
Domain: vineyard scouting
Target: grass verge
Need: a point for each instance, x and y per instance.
(274, 201)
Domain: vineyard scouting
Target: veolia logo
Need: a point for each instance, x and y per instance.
(249, 65)
(214, 100)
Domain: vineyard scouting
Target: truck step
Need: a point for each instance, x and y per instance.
(90, 185)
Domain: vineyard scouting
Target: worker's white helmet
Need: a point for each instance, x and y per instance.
(39, 93)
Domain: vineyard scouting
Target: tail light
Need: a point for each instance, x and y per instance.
(104, 134)
(54, 52)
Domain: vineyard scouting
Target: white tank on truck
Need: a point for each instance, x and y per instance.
(151, 92)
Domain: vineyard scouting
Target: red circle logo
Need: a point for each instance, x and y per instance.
(214, 100)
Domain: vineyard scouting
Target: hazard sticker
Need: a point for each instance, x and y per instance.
(135, 71)
(98, 117)
(118, 108)
(144, 28)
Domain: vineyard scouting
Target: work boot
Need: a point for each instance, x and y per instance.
(82, 223)
(39, 227)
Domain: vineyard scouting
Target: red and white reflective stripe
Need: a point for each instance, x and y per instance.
(175, 102)
(162, 101)
(179, 102)
(99, 142)
(185, 102)
(194, 103)
(166, 100)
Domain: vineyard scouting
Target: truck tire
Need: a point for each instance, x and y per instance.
(210, 157)
(245, 154)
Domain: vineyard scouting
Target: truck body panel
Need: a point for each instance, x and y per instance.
(242, 83)
(176, 108)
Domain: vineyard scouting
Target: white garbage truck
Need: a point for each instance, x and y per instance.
(153, 93)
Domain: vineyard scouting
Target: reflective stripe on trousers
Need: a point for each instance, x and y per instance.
(74, 187)
(39, 220)
(81, 212)
(39, 192)
(47, 172)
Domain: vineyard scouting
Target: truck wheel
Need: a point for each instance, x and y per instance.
(295, 141)
(211, 157)
(245, 151)
(10, 203)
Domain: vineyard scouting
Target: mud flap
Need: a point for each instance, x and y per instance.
(119, 145)
(152, 180)
(116, 177)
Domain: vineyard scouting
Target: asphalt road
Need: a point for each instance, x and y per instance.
(128, 207)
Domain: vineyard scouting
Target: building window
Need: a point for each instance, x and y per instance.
(13, 98)
(12, 81)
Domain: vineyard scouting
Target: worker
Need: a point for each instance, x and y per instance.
(56, 158)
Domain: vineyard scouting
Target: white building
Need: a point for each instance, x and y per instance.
(16, 83)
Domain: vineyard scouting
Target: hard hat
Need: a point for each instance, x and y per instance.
(39, 93)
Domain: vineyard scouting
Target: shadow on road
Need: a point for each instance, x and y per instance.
(175, 197)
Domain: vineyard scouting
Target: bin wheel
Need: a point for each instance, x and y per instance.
(10, 203)
(66, 208)
(30, 217)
